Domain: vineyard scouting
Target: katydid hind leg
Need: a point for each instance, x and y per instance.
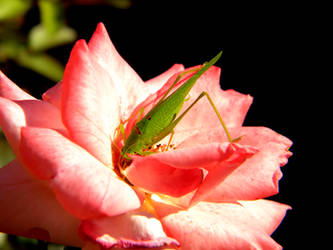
(170, 140)
(204, 93)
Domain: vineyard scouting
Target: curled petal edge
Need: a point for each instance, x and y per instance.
(135, 229)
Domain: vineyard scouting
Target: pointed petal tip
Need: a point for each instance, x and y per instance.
(81, 44)
(53, 95)
(100, 30)
(101, 26)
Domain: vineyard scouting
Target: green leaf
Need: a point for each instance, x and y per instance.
(10, 9)
(9, 49)
(40, 39)
(41, 63)
(51, 13)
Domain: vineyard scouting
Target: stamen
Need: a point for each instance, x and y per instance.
(158, 148)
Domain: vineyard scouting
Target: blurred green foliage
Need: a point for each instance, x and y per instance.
(6, 153)
(40, 38)
(31, 51)
(11, 242)
(52, 31)
(13, 8)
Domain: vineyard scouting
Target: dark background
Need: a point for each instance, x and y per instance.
(262, 53)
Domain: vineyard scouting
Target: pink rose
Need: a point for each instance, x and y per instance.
(65, 184)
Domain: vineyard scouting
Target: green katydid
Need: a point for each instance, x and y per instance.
(160, 121)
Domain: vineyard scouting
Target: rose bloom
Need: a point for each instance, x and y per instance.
(69, 184)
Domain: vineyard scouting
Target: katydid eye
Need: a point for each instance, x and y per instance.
(137, 130)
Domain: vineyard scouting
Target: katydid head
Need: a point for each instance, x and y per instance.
(132, 144)
(137, 139)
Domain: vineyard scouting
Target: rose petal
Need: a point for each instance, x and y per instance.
(82, 184)
(155, 176)
(11, 91)
(29, 208)
(53, 95)
(34, 113)
(232, 106)
(258, 176)
(128, 85)
(177, 172)
(131, 230)
(100, 43)
(201, 156)
(268, 214)
(90, 107)
(221, 225)
(12, 118)
(221, 171)
(41, 114)
(161, 79)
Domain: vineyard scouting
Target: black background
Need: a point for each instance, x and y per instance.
(262, 54)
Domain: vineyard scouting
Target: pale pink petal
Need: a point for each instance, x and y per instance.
(202, 156)
(259, 136)
(131, 230)
(155, 176)
(34, 113)
(219, 226)
(161, 79)
(12, 118)
(41, 114)
(129, 87)
(258, 176)
(82, 184)
(29, 208)
(127, 84)
(268, 214)
(53, 95)
(90, 107)
(219, 172)
(11, 91)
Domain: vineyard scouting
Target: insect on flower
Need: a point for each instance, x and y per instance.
(160, 121)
